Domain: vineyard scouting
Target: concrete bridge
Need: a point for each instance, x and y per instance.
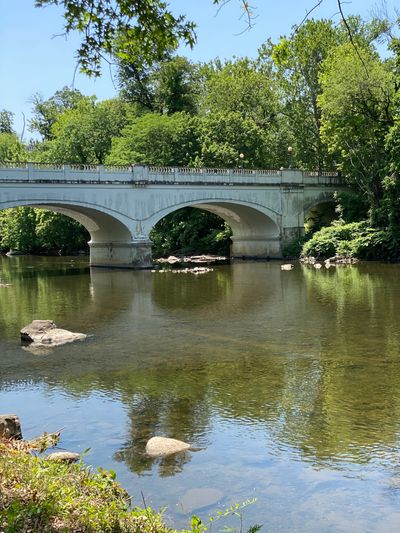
(119, 205)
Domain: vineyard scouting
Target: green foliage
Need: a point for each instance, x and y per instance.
(189, 231)
(357, 239)
(143, 30)
(32, 230)
(6, 121)
(46, 112)
(297, 62)
(11, 149)
(225, 135)
(356, 108)
(235, 510)
(17, 229)
(294, 249)
(157, 140)
(351, 206)
(44, 496)
(84, 134)
(168, 87)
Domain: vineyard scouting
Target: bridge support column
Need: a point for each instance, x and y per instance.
(254, 247)
(290, 235)
(134, 254)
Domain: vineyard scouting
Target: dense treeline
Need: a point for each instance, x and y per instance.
(332, 98)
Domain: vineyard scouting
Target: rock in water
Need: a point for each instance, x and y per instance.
(45, 333)
(10, 427)
(195, 499)
(66, 457)
(162, 446)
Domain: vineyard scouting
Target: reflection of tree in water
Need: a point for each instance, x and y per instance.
(173, 290)
(165, 404)
(310, 356)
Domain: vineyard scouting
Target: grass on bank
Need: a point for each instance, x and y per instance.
(40, 495)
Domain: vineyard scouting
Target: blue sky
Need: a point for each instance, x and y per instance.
(33, 59)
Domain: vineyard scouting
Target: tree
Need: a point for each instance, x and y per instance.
(11, 149)
(157, 140)
(84, 134)
(126, 28)
(6, 121)
(240, 114)
(357, 113)
(166, 87)
(224, 136)
(297, 63)
(137, 30)
(59, 232)
(17, 229)
(46, 112)
(242, 86)
(33, 230)
(190, 230)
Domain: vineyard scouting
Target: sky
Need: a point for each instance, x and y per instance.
(36, 58)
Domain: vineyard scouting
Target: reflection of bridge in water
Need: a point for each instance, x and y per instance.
(120, 205)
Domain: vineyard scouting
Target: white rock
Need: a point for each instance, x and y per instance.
(66, 457)
(44, 333)
(162, 446)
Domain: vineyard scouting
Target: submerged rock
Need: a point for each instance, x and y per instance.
(10, 427)
(41, 333)
(162, 446)
(195, 499)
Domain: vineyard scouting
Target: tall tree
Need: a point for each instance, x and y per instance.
(11, 149)
(157, 140)
(84, 134)
(46, 112)
(297, 62)
(6, 121)
(357, 114)
(166, 87)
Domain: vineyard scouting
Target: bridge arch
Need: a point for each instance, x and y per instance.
(319, 212)
(255, 231)
(113, 236)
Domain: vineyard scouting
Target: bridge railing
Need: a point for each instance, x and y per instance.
(148, 175)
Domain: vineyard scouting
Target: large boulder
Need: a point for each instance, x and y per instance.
(10, 427)
(163, 446)
(45, 333)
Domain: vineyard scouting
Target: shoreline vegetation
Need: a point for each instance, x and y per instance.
(57, 492)
(41, 495)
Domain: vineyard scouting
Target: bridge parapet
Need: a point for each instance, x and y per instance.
(159, 175)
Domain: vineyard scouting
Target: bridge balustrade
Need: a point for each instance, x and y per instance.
(143, 174)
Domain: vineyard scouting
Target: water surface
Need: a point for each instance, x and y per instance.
(287, 382)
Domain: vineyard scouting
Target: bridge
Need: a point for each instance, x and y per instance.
(119, 205)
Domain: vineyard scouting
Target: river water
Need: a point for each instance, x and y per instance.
(287, 383)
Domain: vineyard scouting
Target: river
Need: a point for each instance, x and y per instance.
(286, 382)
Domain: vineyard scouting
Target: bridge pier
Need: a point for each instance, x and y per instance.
(255, 247)
(134, 254)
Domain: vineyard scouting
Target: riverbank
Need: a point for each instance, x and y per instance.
(41, 495)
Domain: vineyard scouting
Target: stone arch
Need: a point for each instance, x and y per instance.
(102, 226)
(319, 212)
(112, 241)
(255, 231)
